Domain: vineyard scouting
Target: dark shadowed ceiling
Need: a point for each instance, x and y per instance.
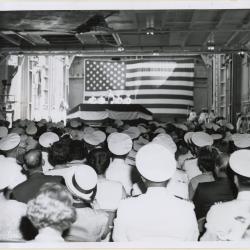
(151, 31)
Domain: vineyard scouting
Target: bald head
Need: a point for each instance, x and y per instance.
(33, 159)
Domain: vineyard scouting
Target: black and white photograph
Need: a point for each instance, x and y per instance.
(125, 124)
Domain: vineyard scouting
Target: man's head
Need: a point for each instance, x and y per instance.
(33, 160)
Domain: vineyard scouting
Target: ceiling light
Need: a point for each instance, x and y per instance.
(156, 53)
(120, 49)
(150, 31)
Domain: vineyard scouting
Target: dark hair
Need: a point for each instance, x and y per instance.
(99, 159)
(206, 158)
(33, 159)
(59, 153)
(77, 151)
(243, 181)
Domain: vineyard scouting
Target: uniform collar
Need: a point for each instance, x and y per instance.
(156, 190)
(244, 196)
(118, 160)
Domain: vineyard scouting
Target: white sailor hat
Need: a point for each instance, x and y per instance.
(47, 139)
(188, 136)
(242, 140)
(133, 132)
(22, 123)
(140, 142)
(142, 129)
(216, 136)
(155, 163)
(181, 126)
(44, 121)
(81, 181)
(229, 125)
(88, 130)
(202, 139)
(221, 122)
(119, 143)
(74, 123)
(118, 123)
(9, 142)
(3, 131)
(110, 130)
(31, 130)
(94, 138)
(166, 141)
(239, 162)
(159, 131)
(215, 127)
(60, 125)
(208, 125)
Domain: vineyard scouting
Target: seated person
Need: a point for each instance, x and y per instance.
(28, 189)
(91, 225)
(51, 212)
(206, 164)
(220, 190)
(109, 193)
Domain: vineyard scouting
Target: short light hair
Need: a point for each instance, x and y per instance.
(52, 207)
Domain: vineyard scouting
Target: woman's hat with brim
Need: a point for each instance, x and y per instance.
(81, 181)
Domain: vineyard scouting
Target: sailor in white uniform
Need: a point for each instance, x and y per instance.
(156, 215)
(230, 221)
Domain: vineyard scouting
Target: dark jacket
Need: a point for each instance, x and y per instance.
(29, 188)
(208, 193)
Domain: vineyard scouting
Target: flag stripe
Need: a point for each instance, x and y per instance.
(163, 74)
(132, 70)
(157, 78)
(180, 87)
(182, 97)
(166, 101)
(145, 92)
(174, 111)
(179, 61)
(179, 106)
(160, 83)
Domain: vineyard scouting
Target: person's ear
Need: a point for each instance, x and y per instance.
(25, 167)
(236, 181)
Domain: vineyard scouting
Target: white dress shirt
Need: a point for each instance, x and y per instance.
(153, 216)
(10, 218)
(119, 171)
(109, 194)
(229, 221)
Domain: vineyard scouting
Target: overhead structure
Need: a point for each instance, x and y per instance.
(125, 31)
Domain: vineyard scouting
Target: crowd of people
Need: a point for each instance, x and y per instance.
(140, 181)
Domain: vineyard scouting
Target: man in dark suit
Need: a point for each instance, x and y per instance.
(220, 190)
(28, 189)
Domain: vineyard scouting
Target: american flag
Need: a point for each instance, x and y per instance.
(161, 86)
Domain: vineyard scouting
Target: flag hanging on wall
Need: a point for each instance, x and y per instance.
(161, 86)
